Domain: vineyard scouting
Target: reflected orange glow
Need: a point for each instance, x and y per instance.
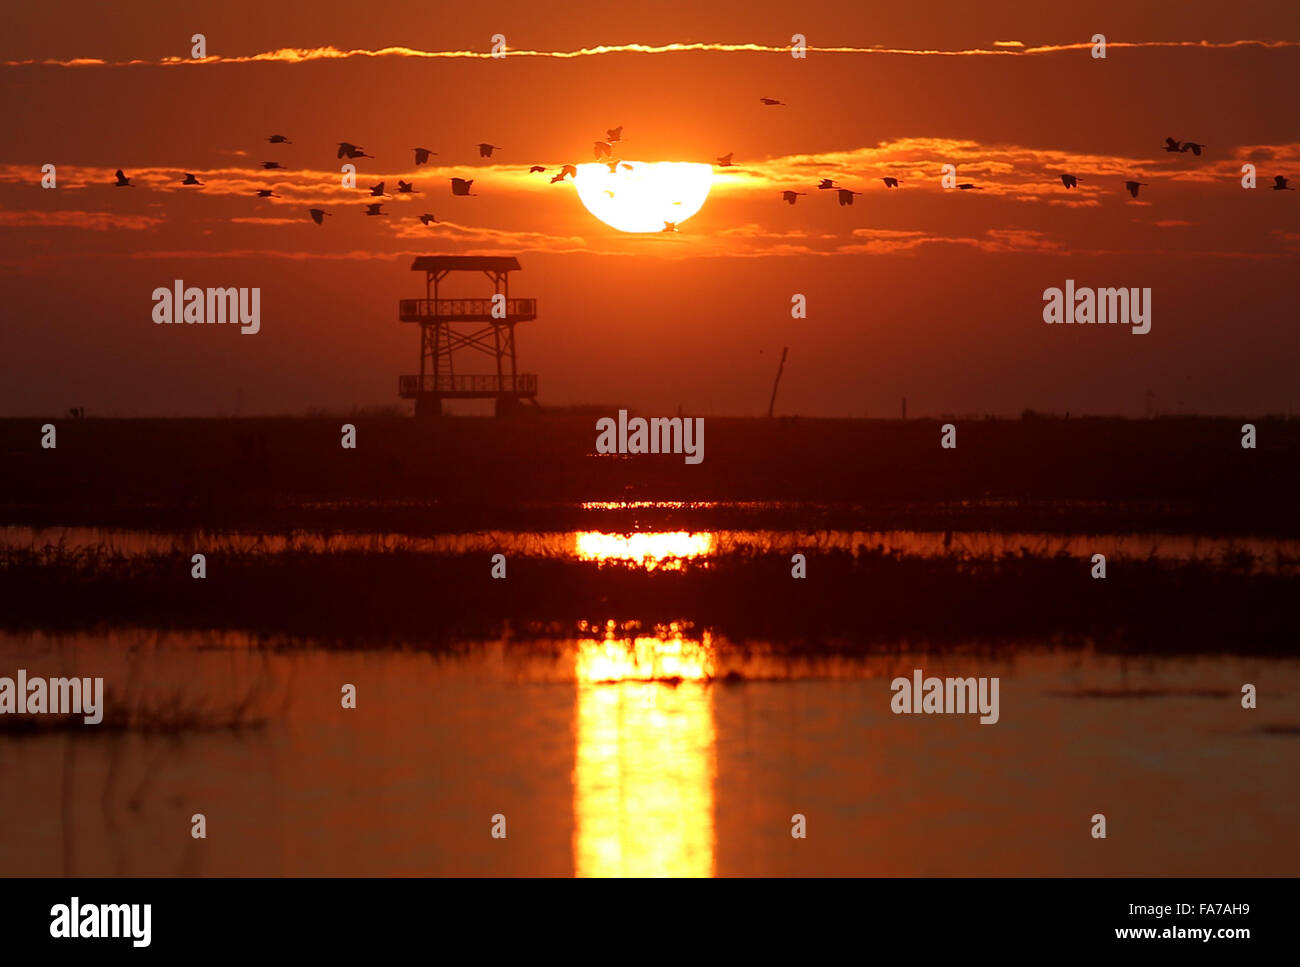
(657, 658)
(646, 762)
(645, 504)
(668, 550)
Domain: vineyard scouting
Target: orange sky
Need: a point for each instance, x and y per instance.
(932, 294)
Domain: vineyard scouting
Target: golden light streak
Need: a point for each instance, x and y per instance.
(667, 550)
(646, 761)
(300, 55)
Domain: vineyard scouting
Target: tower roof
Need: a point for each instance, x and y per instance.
(464, 263)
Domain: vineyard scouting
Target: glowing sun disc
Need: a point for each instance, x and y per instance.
(644, 198)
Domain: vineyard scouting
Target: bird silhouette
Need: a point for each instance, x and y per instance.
(191, 180)
(536, 168)
(352, 151)
(1193, 146)
(1133, 187)
(772, 102)
(271, 165)
(826, 185)
(405, 187)
(122, 180)
(279, 139)
(318, 215)
(846, 196)
(569, 170)
(377, 191)
(485, 150)
(429, 220)
(461, 186)
(792, 196)
(725, 160)
(1172, 145)
(969, 187)
(614, 134)
(1070, 181)
(375, 209)
(891, 182)
(422, 155)
(669, 227)
(602, 149)
(266, 193)
(1280, 183)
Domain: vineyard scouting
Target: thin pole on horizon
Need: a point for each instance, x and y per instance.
(779, 369)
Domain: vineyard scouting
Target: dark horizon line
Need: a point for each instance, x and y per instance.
(397, 412)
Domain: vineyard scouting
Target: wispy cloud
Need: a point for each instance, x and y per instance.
(303, 55)
(877, 241)
(93, 221)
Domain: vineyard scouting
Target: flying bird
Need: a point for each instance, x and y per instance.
(191, 180)
(422, 155)
(970, 187)
(536, 168)
(1172, 145)
(1194, 146)
(122, 180)
(1070, 181)
(792, 196)
(826, 185)
(404, 187)
(377, 191)
(352, 151)
(460, 186)
(318, 215)
(1280, 183)
(614, 134)
(271, 165)
(485, 150)
(772, 102)
(891, 182)
(602, 148)
(374, 209)
(1133, 187)
(429, 220)
(725, 160)
(569, 170)
(279, 139)
(846, 196)
(266, 193)
(669, 227)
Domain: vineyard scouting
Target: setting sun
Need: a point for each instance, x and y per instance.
(644, 197)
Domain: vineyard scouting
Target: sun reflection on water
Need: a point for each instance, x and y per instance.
(665, 550)
(646, 761)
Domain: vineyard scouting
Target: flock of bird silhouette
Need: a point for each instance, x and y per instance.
(604, 151)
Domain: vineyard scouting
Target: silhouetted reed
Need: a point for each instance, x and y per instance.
(1145, 604)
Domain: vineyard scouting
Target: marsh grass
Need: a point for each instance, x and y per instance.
(868, 594)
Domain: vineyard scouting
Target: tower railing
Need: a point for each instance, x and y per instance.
(486, 384)
(469, 310)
